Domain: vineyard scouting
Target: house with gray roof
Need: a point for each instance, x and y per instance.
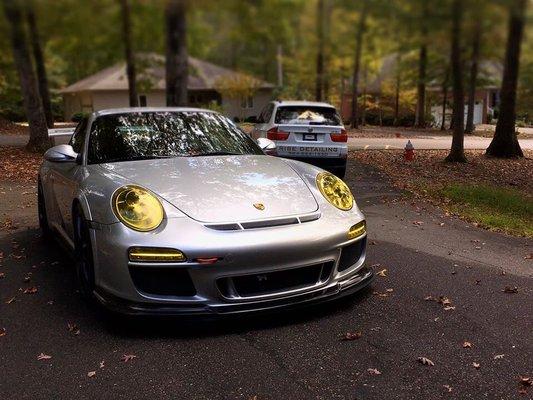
(236, 94)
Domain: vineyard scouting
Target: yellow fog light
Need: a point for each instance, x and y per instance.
(137, 208)
(357, 230)
(335, 191)
(155, 254)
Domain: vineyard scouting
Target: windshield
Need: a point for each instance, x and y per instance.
(146, 135)
(307, 115)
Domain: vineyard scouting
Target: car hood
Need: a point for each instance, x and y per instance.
(218, 189)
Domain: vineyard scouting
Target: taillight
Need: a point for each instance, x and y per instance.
(275, 134)
(339, 137)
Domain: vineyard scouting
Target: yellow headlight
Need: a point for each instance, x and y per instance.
(335, 191)
(155, 254)
(137, 208)
(357, 230)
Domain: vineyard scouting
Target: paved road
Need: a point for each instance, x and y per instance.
(428, 143)
(295, 355)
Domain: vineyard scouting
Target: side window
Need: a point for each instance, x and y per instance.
(261, 118)
(77, 139)
(268, 113)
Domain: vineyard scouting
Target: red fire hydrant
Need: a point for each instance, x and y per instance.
(409, 154)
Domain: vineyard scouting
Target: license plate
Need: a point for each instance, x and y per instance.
(308, 151)
(310, 137)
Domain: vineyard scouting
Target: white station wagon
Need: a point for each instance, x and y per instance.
(307, 131)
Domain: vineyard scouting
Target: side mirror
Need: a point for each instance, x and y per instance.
(267, 145)
(61, 153)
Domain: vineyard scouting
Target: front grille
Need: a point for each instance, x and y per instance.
(351, 254)
(273, 282)
(159, 281)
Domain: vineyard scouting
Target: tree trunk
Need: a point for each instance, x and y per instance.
(505, 143)
(42, 80)
(357, 64)
(444, 99)
(319, 84)
(420, 116)
(176, 57)
(457, 153)
(397, 88)
(39, 140)
(363, 111)
(327, 52)
(130, 60)
(473, 78)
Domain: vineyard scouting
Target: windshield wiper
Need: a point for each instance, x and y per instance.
(216, 153)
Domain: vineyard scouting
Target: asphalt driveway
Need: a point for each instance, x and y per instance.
(294, 355)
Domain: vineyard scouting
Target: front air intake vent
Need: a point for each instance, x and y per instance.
(264, 223)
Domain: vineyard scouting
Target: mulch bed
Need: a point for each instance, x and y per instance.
(429, 169)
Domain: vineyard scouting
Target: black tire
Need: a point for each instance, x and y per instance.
(83, 254)
(46, 232)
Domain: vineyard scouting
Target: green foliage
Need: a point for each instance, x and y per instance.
(494, 207)
(81, 38)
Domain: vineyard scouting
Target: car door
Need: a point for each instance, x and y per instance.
(65, 179)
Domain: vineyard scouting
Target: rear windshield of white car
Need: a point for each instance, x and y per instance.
(307, 115)
(148, 135)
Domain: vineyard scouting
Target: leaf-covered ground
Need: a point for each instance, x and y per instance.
(430, 178)
(429, 169)
(18, 165)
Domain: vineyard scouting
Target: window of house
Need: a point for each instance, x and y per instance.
(247, 102)
(142, 100)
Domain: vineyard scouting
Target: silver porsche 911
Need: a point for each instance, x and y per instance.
(177, 211)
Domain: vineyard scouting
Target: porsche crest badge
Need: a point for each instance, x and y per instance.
(259, 206)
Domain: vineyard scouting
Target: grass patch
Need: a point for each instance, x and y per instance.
(495, 208)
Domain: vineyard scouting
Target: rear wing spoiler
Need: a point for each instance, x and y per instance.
(60, 135)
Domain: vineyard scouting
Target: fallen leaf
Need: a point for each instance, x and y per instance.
(3, 332)
(476, 365)
(26, 279)
(498, 356)
(102, 364)
(529, 257)
(2, 275)
(467, 345)
(510, 289)
(374, 371)
(128, 357)
(425, 361)
(444, 301)
(430, 298)
(448, 388)
(526, 380)
(73, 328)
(352, 335)
(418, 223)
(382, 273)
(43, 356)
(449, 308)
(90, 374)
(11, 300)
(30, 290)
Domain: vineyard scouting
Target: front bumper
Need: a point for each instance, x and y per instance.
(258, 252)
(333, 291)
